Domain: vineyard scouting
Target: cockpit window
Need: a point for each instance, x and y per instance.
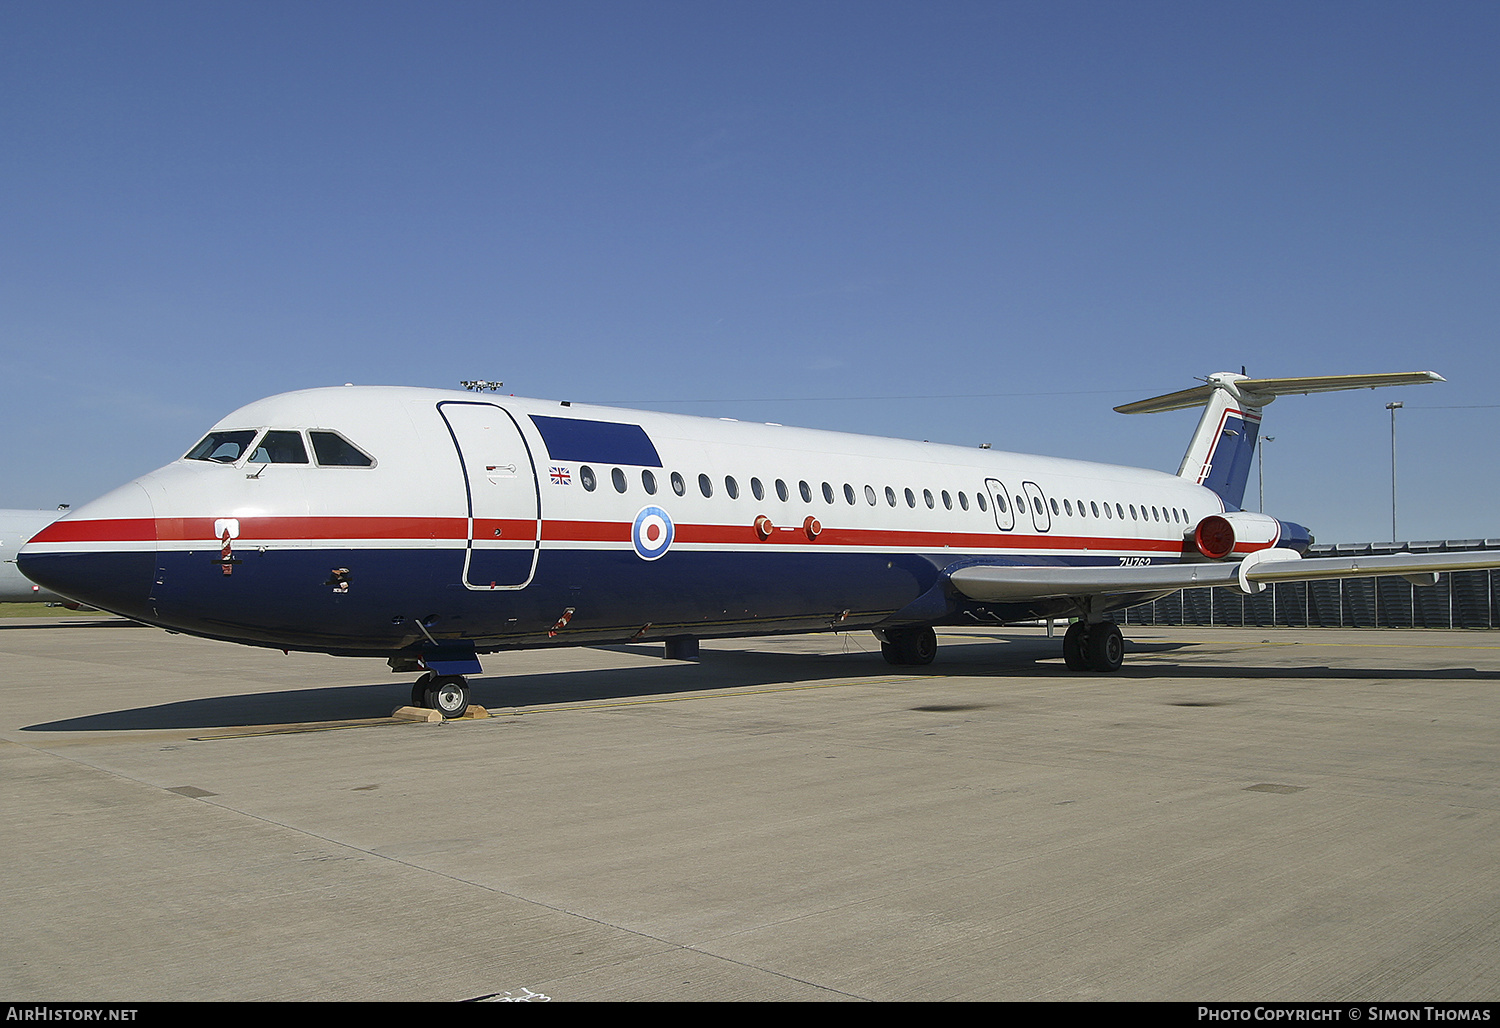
(280, 447)
(333, 450)
(223, 447)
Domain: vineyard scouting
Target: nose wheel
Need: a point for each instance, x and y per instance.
(446, 694)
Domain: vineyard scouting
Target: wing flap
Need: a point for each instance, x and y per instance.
(990, 583)
(1316, 568)
(994, 584)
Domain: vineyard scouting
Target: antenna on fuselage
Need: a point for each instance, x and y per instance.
(479, 385)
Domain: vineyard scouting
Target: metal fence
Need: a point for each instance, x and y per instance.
(1463, 599)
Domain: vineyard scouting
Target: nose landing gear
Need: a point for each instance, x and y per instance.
(446, 694)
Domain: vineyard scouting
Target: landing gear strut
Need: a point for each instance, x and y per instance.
(911, 646)
(1094, 647)
(446, 694)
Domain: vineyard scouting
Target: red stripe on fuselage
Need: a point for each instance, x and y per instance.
(121, 530)
(309, 528)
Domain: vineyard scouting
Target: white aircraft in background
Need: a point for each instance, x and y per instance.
(16, 528)
(429, 527)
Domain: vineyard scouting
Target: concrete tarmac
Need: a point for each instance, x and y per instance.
(1237, 815)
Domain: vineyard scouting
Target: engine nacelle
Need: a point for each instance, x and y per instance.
(1242, 531)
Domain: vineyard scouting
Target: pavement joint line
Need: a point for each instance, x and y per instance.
(228, 809)
(721, 695)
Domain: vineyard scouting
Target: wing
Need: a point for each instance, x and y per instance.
(994, 583)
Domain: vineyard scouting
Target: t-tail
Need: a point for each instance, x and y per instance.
(1223, 447)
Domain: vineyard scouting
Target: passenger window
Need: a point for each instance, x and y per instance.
(806, 491)
(947, 500)
(705, 486)
(678, 485)
(618, 477)
(963, 501)
(1054, 506)
(781, 490)
(1107, 512)
(731, 487)
(1093, 506)
(979, 499)
(1000, 503)
(334, 451)
(1132, 512)
(1020, 505)
(870, 495)
(927, 498)
(849, 493)
(586, 477)
(1068, 506)
(890, 496)
(222, 447)
(648, 483)
(280, 447)
(911, 500)
(1119, 510)
(757, 490)
(827, 492)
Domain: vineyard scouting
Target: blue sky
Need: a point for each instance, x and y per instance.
(967, 222)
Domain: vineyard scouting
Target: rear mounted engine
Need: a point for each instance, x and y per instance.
(1219, 535)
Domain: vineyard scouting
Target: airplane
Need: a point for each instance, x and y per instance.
(430, 527)
(16, 528)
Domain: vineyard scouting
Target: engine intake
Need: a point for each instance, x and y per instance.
(1219, 535)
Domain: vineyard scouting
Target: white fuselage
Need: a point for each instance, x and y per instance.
(471, 517)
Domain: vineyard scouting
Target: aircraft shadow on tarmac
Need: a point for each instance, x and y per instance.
(32, 626)
(718, 669)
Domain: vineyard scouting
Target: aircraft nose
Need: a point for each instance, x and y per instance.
(102, 554)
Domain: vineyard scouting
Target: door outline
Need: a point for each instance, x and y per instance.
(1005, 515)
(1038, 505)
(480, 474)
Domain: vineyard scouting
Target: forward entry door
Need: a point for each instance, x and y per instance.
(505, 514)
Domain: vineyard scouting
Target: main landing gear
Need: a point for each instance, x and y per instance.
(911, 646)
(1094, 647)
(446, 694)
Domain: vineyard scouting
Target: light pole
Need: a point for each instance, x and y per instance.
(1260, 468)
(1393, 408)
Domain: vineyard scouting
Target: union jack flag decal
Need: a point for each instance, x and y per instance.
(561, 476)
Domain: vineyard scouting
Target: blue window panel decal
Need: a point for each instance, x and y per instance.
(601, 442)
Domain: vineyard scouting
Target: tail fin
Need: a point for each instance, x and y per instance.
(1223, 446)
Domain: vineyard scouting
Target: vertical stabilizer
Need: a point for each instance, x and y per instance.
(1223, 445)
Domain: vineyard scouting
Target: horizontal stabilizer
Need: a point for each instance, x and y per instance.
(995, 583)
(1220, 453)
(1260, 391)
(1180, 400)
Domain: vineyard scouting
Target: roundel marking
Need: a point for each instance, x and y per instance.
(651, 535)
